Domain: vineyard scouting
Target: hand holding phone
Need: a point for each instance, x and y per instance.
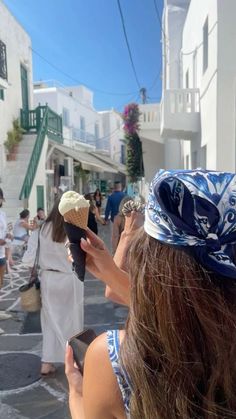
(79, 344)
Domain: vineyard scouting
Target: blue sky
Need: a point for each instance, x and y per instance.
(84, 39)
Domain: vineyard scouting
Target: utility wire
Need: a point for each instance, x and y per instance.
(127, 43)
(78, 81)
(159, 20)
(155, 79)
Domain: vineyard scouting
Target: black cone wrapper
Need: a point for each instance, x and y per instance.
(74, 235)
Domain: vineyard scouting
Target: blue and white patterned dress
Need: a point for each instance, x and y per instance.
(113, 343)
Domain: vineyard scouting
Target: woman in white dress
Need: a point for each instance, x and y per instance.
(61, 291)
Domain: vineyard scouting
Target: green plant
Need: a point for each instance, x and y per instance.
(14, 136)
(80, 172)
(134, 153)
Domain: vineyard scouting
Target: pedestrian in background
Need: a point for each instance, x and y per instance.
(98, 200)
(93, 216)
(40, 217)
(61, 292)
(22, 226)
(113, 201)
(3, 241)
(118, 224)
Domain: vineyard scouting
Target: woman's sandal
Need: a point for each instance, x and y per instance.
(47, 369)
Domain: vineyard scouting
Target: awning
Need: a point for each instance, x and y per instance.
(87, 160)
(106, 159)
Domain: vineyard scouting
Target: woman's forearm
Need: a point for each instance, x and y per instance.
(114, 297)
(120, 256)
(76, 405)
(118, 282)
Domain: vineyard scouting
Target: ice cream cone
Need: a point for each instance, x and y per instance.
(79, 217)
(75, 210)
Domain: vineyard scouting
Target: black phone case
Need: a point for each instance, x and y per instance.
(79, 344)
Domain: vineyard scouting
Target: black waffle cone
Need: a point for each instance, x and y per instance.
(75, 234)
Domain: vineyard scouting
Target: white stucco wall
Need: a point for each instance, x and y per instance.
(207, 82)
(40, 179)
(174, 17)
(153, 158)
(18, 47)
(78, 105)
(218, 84)
(113, 133)
(226, 115)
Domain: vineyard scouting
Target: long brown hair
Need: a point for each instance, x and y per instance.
(58, 232)
(179, 350)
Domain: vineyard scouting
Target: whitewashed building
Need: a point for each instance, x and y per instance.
(195, 123)
(93, 136)
(113, 135)
(199, 82)
(16, 90)
(24, 180)
(152, 143)
(81, 122)
(16, 93)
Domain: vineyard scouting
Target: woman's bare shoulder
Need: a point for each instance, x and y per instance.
(100, 387)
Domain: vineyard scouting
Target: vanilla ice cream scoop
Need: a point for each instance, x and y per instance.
(75, 209)
(72, 200)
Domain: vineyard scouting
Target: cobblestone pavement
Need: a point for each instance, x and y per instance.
(23, 393)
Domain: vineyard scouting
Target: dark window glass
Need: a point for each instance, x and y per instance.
(205, 46)
(123, 154)
(3, 61)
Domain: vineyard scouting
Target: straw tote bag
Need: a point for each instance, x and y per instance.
(30, 297)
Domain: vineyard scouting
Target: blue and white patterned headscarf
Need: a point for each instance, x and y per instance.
(195, 209)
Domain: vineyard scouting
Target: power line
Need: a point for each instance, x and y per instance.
(159, 19)
(131, 100)
(127, 43)
(78, 81)
(155, 79)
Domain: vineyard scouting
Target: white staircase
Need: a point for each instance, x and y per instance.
(14, 175)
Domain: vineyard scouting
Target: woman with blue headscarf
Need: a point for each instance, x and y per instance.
(176, 357)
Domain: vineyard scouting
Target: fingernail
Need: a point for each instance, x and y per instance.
(83, 241)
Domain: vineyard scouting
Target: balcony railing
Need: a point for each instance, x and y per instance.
(44, 122)
(3, 61)
(83, 136)
(31, 120)
(149, 122)
(150, 116)
(180, 113)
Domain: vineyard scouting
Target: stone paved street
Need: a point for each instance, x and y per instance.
(23, 393)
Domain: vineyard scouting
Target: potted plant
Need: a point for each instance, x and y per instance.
(14, 136)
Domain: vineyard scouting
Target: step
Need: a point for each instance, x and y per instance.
(15, 165)
(28, 137)
(12, 202)
(25, 149)
(12, 215)
(13, 183)
(23, 156)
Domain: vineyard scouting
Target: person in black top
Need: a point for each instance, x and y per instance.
(94, 215)
(98, 200)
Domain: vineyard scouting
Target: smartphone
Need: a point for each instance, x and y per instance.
(79, 344)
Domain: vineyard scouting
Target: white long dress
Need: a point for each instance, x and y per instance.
(62, 295)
